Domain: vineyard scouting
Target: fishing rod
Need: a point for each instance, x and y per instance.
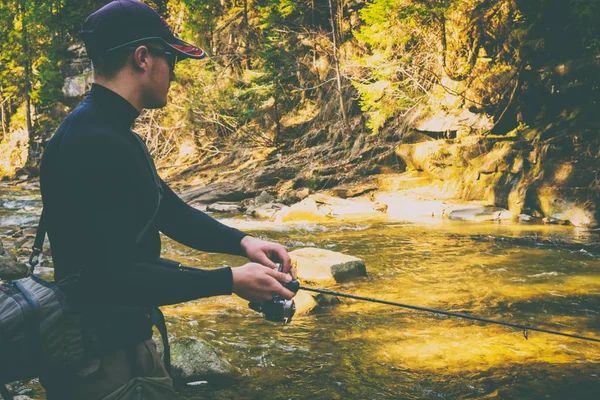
(282, 310)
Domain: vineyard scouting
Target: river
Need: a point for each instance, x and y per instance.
(360, 350)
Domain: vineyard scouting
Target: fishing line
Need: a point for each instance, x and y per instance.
(524, 328)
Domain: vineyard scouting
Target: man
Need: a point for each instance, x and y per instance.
(104, 207)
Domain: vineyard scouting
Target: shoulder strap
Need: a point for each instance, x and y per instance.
(38, 244)
(158, 320)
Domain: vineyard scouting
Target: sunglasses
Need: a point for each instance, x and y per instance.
(169, 55)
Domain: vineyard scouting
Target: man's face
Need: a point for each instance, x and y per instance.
(159, 77)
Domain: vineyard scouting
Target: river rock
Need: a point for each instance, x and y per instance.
(326, 266)
(221, 191)
(481, 214)
(195, 359)
(309, 301)
(10, 268)
(263, 198)
(306, 210)
(223, 207)
(265, 211)
(263, 206)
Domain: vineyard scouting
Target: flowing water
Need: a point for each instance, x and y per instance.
(360, 350)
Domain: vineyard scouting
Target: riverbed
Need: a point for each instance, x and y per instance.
(361, 350)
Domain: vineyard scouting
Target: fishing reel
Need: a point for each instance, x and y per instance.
(278, 309)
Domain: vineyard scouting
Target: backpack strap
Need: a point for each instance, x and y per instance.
(158, 320)
(38, 244)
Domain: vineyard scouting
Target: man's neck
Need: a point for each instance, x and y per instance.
(122, 86)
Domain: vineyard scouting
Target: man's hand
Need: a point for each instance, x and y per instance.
(255, 282)
(263, 252)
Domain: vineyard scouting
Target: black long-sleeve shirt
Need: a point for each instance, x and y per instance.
(104, 207)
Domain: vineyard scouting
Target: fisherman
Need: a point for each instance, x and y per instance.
(104, 207)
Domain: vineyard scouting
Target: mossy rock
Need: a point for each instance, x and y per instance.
(195, 359)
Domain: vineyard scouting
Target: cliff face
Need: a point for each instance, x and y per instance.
(547, 169)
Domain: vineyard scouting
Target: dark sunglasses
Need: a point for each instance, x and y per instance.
(169, 55)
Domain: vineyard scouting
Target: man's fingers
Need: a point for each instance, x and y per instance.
(285, 259)
(264, 260)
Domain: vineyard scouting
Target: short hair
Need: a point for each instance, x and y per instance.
(109, 64)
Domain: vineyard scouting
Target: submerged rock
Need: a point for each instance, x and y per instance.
(195, 360)
(326, 266)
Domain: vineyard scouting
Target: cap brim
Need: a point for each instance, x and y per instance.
(187, 50)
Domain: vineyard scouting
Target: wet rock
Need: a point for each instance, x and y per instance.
(306, 302)
(222, 191)
(523, 218)
(291, 196)
(481, 214)
(265, 211)
(195, 360)
(563, 206)
(26, 241)
(10, 268)
(263, 206)
(306, 210)
(326, 266)
(263, 198)
(223, 207)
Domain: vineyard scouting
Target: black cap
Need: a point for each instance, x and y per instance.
(124, 23)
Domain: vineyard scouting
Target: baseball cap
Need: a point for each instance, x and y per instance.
(123, 23)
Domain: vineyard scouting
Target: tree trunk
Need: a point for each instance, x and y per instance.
(277, 118)
(336, 62)
(247, 40)
(33, 152)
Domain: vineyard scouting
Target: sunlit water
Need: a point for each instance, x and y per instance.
(360, 350)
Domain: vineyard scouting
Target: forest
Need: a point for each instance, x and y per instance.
(359, 82)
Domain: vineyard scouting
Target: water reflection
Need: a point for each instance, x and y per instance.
(362, 350)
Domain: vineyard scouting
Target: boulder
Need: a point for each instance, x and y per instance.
(10, 268)
(195, 359)
(325, 266)
(568, 204)
(263, 198)
(306, 210)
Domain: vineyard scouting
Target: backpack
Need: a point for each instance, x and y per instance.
(40, 329)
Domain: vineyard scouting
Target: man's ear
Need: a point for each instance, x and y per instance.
(140, 58)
